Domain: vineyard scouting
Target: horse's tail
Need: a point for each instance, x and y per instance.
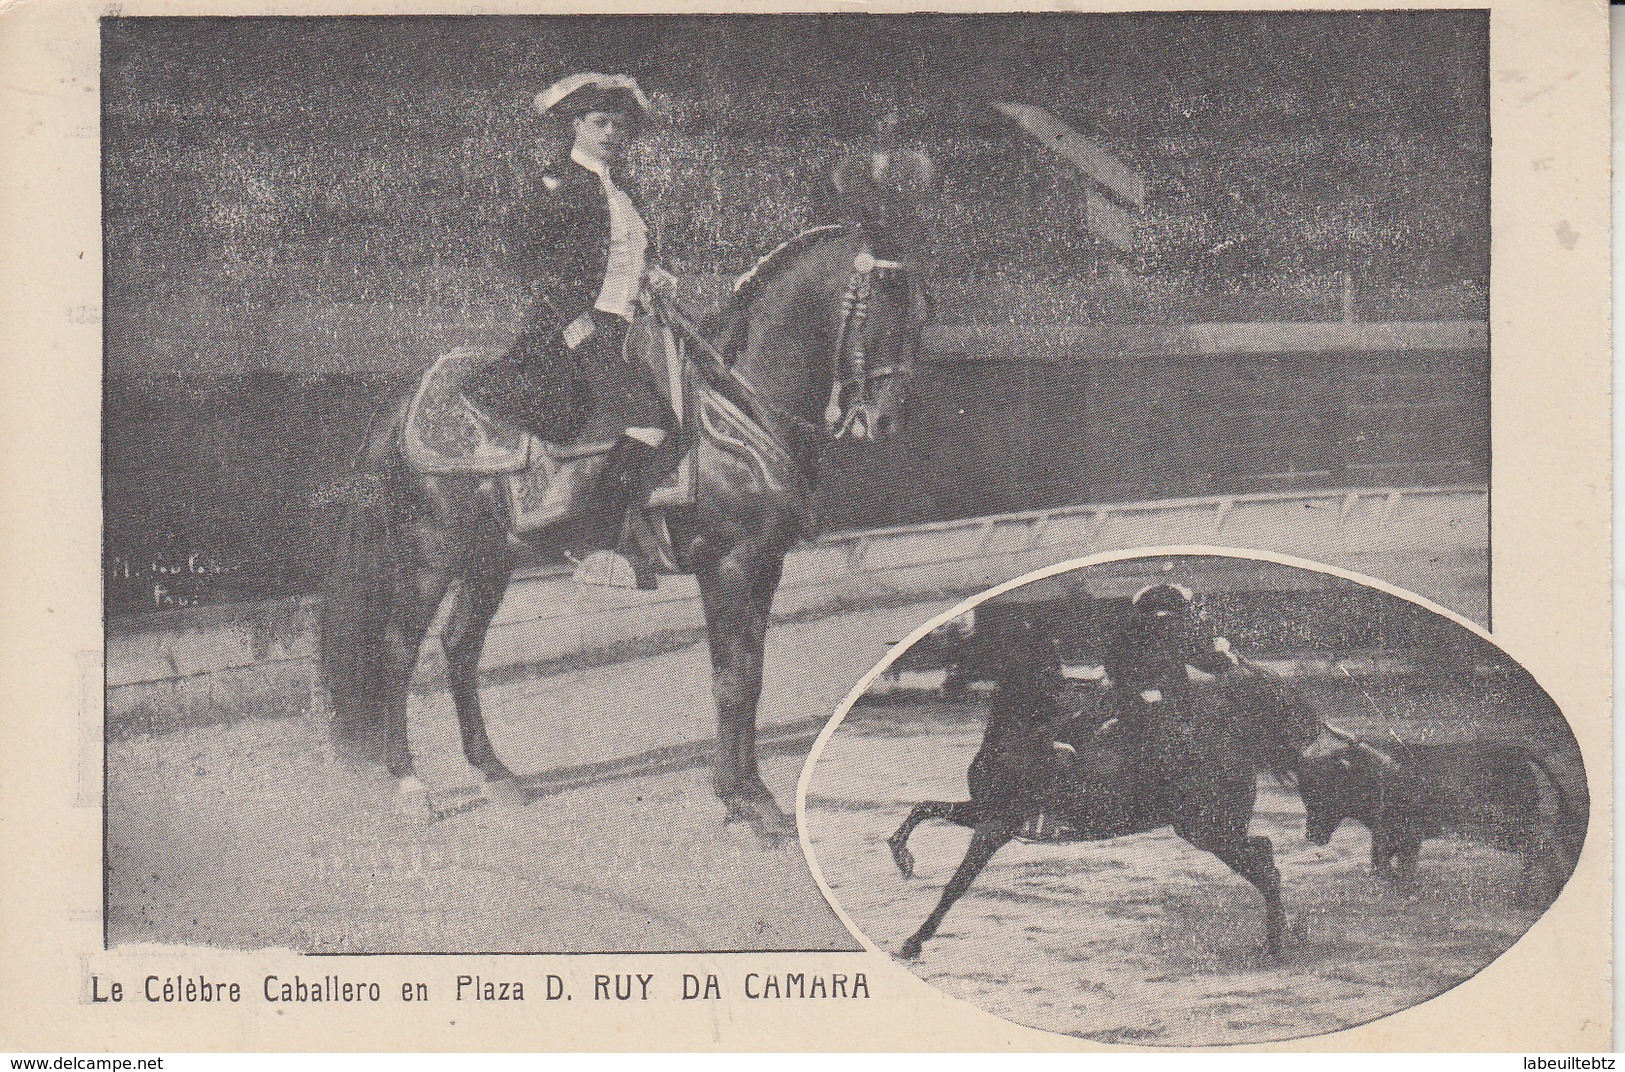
(358, 602)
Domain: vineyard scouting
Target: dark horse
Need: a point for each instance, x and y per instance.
(801, 363)
(1191, 763)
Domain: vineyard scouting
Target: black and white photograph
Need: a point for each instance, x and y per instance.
(721, 528)
(1197, 800)
(520, 432)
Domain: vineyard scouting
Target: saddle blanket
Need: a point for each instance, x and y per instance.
(545, 483)
(444, 433)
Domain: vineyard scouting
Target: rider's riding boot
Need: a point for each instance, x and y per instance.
(639, 545)
(634, 548)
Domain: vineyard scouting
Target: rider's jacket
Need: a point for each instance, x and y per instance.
(556, 239)
(1148, 653)
(568, 362)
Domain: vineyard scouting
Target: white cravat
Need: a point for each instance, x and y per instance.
(628, 245)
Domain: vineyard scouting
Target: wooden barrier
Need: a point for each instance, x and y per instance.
(253, 660)
(1069, 344)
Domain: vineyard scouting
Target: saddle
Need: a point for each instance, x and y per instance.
(547, 483)
(543, 483)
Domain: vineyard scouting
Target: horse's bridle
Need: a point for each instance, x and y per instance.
(852, 379)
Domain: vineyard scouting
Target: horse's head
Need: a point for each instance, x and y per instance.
(885, 305)
(832, 320)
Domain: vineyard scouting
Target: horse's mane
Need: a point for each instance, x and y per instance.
(1287, 721)
(771, 262)
(725, 324)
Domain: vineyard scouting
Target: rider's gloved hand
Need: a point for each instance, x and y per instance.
(578, 331)
(1222, 646)
(661, 283)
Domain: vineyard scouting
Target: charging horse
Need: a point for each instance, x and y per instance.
(818, 341)
(1192, 764)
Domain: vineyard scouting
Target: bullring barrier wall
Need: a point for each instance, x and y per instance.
(258, 660)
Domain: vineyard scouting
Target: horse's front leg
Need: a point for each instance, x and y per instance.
(737, 593)
(988, 839)
(964, 812)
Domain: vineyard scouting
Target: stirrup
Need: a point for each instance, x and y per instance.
(611, 569)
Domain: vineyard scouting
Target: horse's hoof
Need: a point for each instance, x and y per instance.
(904, 859)
(770, 825)
(773, 838)
(773, 831)
(506, 792)
(412, 800)
(910, 950)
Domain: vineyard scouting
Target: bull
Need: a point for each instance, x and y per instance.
(1483, 791)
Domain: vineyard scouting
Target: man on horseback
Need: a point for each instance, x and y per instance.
(1147, 655)
(441, 488)
(579, 243)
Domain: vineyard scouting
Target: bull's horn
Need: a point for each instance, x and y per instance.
(1341, 734)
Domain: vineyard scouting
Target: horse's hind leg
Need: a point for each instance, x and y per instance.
(964, 812)
(988, 839)
(474, 603)
(425, 587)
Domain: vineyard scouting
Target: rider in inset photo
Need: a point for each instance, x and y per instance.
(1146, 656)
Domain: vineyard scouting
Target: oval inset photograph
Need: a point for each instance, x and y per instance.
(1195, 800)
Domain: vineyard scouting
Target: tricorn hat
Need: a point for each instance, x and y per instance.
(575, 96)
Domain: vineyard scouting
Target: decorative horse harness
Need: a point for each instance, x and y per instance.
(851, 373)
